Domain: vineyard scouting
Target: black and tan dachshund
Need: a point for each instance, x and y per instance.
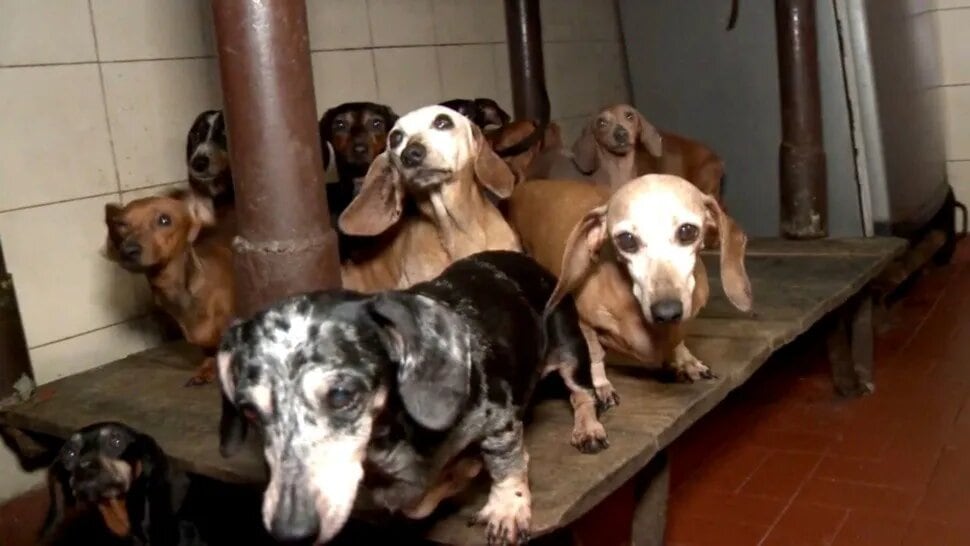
(111, 485)
(357, 133)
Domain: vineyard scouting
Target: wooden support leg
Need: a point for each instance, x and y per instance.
(650, 513)
(634, 515)
(850, 347)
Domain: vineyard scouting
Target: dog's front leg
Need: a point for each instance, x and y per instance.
(508, 511)
(606, 395)
(687, 367)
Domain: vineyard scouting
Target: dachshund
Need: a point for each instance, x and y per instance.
(174, 241)
(483, 112)
(631, 259)
(207, 158)
(385, 396)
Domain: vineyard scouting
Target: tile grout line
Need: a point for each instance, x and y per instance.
(104, 99)
(791, 501)
(119, 194)
(86, 332)
(321, 50)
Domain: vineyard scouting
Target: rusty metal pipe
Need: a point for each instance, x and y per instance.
(523, 26)
(802, 173)
(285, 244)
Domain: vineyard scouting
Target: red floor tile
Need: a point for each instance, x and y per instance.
(806, 525)
(858, 496)
(727, 507)
(730, 468)
(782, 473)
(869, 530)
(695, 531)
(948, 494)
(935, 533)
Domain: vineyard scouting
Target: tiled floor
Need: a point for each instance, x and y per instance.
(785, 462)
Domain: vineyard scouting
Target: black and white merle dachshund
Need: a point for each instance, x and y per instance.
(403, 395)
(207, 157)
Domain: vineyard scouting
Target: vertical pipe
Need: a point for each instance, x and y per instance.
(804, 203)
(14, 357)
(285, 243)
(523, 26)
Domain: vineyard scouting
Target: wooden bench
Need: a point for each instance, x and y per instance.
(795, 285)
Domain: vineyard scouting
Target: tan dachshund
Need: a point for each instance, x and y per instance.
(631, 260)
(171, 240)
(425, 199)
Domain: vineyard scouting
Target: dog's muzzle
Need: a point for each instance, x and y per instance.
(296, 519)
(413, 154)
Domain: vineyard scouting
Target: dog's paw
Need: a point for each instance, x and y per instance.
(590, 438)
(507, 518)
(691, 371)
(204, 374)
(606, 397)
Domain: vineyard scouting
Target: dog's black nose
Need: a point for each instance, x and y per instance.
(360, 148)
(130, 250)
(621, 135)
(413, 154)
(296, 519)
(667, 311)
(200, 163)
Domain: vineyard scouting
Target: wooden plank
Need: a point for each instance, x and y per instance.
(792, 291)
(852, 246)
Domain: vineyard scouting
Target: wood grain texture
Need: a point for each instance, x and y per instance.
(792, 291)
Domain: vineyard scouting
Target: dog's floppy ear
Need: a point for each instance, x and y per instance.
(201, 211)
(734, 277)
(650, 137)
(379, 204)
(164, 491)
(232, 425)
(431, 347)
(584, 151)
(490, 171)
(60, 498)
(582, 247)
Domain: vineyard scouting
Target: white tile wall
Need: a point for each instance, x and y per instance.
(467, 71)
(952, 18)
(401, 22)
(151, 104)
(407, 77)
(338, 24)
(64, 285)
(65, 26)
(96, 97)
(50, 152)
(148, 29)
(343, 76)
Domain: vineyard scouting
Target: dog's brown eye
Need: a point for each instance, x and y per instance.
(69, 454)
(687, 233)
(339, 125)
(164, 220)
(627, 242)
(341, 398)
(442, 122)
(395, 138)
(377, 124)
(629, 116)
(601, 123)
